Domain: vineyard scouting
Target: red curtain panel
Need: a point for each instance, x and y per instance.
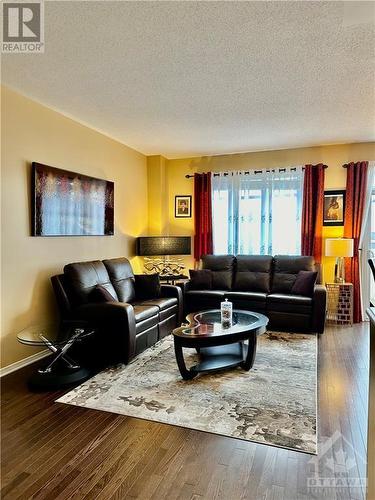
(312, 211)
(203, 215)
(356, 179)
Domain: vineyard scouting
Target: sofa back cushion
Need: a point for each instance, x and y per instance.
(83, 277)
(147, 286)
(200, 279)
(305, 283)
(100, 294)
(286, 269)
(253, 273)
(122, 277)
(222, 270)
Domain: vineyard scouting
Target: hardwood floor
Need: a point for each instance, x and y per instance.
(56, 451)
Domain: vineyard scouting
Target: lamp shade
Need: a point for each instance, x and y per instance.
(163, 245)
(339, 247)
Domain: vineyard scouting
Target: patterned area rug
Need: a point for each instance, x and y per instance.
(274, 403)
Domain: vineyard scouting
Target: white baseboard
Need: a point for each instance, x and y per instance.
(23, 362)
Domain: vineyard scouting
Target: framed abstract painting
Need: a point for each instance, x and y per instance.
(66, 203)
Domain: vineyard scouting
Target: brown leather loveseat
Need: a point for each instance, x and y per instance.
(264, 284)
(126, 325)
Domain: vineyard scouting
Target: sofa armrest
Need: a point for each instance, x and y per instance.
(319, 308)
(115, 320)
(174, 291)
(185, 286)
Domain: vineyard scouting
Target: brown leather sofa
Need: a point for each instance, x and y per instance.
(125, 327)
(262, 283)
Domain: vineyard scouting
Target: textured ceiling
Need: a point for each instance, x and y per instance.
(192, 78)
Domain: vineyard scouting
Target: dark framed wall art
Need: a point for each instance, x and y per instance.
(334, 207)
(66, 203)
(182, 206)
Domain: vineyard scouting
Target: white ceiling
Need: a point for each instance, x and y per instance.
(192, 78)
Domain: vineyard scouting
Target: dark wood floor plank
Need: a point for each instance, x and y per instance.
(91, 459)
(126, 468)
(66, 431)
(51, 458)
(53, 451)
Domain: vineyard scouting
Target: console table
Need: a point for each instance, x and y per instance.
(173, 279)
(340, 303)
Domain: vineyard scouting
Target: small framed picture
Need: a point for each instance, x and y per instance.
(334, 208)
(182, 206)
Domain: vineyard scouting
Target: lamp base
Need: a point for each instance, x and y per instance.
(340, 270)
(164, 267)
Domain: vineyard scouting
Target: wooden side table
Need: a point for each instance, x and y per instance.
(340, 303)
(173, 279)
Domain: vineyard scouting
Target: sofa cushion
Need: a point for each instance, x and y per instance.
(100, 294)
(122, 278)
(83, 277)
(289, 303)
(251, 296)
(201, 300)
(253, 273)
(162, 303)
(142, 312)
(286, 268)
(147, 286)
(304, 284)
(167, 306)
(200, 279)
(206, 293)
(250, 301)
(222, 270)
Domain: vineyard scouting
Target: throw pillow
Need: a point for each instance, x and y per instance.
(147, 286)
(200, 279)
(304, 284)
(101, 294)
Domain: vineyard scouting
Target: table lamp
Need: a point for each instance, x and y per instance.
(339, 248)
(163, 246)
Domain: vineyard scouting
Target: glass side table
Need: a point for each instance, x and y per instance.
(62, 370)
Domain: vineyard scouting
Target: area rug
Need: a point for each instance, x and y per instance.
(274, 403)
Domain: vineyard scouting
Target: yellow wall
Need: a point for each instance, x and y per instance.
(335, 177)
(31, 132)
(144, 202)
(157, 195)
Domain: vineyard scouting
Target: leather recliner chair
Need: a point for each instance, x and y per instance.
(124, 327)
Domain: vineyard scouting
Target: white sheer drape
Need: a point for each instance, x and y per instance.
(365, 240)
(257, 212)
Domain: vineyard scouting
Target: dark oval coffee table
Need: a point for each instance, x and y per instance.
(219, 346)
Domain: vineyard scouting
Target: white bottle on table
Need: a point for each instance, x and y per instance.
(226, 308)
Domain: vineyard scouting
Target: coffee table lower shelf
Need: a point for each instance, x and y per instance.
(218, 358)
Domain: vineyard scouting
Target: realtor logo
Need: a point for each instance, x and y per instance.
(336, 468)
(23, 27)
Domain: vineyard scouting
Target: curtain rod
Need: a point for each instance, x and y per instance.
(292, 169)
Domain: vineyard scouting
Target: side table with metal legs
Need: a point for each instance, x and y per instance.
(62, 369)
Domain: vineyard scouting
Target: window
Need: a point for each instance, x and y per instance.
(367, 241)
(257, 212)
(371, 252)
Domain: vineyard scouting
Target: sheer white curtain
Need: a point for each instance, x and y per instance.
(257, 212)
(365, 240)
